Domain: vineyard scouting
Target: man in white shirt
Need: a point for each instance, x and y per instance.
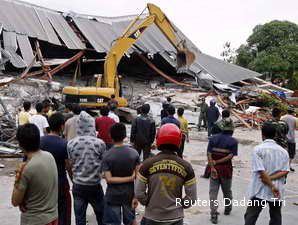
(291, 121)
(39, 120)
(70, 127)
(113, 115)
(270, 165)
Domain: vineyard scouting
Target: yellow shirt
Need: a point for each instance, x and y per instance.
(23, 118)
(183, 125)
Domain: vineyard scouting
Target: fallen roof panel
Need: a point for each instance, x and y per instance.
(10, 45)
(92, 30)
(47, 27)
(223, 71)
(25, 47)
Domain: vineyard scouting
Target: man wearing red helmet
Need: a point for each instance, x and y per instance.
(161, 179)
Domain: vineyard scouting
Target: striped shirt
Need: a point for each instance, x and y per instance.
(272, 158)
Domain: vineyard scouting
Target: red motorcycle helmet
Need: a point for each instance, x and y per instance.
(169, 134)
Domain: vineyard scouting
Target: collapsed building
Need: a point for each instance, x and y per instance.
(37, 42)
(55, 38)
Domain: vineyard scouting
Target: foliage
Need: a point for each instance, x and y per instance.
(293, 82)
(272, 102)
(272, 49)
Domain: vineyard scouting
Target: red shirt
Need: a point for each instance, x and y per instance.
(103, 125)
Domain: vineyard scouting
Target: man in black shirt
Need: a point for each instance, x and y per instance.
(57, 146)
(143, 131)
(119, 166)
(212, 115)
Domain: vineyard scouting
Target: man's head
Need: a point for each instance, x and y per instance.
(268, 131)
(165, 105)
(76, 109)
(68, 107)
(46, 104)
(145, 108)
(291, 110)
(180, 111)
(28, 137)
(225, 113)
(39, 107)
(169, 99)
(27, 106)
(168, 138)
(118, 132)
(212, 102)
(56, 122)
(171, 110)
(104, 111)
(276, 113)
(113, 96)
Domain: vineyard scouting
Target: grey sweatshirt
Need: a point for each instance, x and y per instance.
(86, 151)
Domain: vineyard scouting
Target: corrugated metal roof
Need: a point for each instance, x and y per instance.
(223, 71)
(25, 47)
(94, 31)
(47, 27)
(38, 22)
(10, 45)
(46, 24)
(102, 31)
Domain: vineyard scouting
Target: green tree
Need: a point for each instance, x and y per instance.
(272, 49)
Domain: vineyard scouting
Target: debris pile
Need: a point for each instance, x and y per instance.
(250, 105)
(12, 96)
(253, 105)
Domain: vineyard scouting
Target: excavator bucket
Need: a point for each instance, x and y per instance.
(185, 58)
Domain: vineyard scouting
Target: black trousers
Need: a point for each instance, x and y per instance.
(253, 212)
(145, 148)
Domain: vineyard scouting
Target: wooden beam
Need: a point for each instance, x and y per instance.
(65, 64)
(234, 113)
(167, 77)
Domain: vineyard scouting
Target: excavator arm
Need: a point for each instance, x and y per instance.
(130, 36)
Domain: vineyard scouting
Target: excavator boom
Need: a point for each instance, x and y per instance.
(109, 84)
(121, 45)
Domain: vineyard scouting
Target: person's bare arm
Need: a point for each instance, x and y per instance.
(141, 193)
(267, 181)
(210, 160)
(279, 175)
(17, 197)
(118, 180)
(224, 159)
(212, 163)
(68, 167)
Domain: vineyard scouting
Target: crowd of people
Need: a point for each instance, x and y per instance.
(72, 145)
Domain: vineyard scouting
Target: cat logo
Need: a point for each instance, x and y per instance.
(137, 34)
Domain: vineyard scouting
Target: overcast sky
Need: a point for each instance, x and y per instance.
(208, 23)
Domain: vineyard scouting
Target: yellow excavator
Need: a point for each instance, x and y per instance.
(108, 84)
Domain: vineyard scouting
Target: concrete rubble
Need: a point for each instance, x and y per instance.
(12, 96)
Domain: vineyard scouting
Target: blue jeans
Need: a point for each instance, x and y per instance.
(82, 196)
(114, 213)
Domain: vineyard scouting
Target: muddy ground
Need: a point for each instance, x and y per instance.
(195, 152)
